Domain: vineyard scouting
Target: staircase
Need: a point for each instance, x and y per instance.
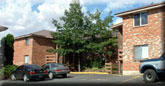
(51, 59)
(108, 67)
(120, 54)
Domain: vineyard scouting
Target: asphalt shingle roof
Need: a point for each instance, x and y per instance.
(42, 33)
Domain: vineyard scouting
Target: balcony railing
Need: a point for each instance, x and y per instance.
(120, 54)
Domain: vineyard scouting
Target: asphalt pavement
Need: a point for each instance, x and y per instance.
(85, 80)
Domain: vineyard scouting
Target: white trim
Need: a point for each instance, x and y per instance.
(26, 59)
(131, 72)
(143, 9)
(142, 57)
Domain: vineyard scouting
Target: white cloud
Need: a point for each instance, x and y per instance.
(20, 17)
(118, 20)
(121, 4)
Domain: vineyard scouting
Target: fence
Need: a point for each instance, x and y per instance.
(112, 68)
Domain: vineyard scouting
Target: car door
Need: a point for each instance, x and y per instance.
(18, 72)
(46, 67)
(21, 72)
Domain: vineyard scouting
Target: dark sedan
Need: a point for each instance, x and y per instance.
(29, 72)
(56, 69)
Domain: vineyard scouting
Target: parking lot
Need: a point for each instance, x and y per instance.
(82, 79)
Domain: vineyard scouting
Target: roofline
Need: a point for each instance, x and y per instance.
(2, 28)
(23, 36)
(153, 6)
(117, 25)
(30, 35)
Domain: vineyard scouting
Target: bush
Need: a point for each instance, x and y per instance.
(7, 70)
(93, 63)
(2, 70)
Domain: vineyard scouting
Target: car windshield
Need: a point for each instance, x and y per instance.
(163, 55)
(57, 65)
(33, 67)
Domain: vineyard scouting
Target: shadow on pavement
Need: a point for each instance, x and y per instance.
(80, 84)
(47, 79)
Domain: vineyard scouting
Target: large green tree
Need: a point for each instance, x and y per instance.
(81, 33)
(7, 43)
(99, 36)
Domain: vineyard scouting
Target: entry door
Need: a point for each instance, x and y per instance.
(26, 59)
(121, 67)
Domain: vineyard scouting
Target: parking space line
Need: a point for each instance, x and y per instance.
(130, 79)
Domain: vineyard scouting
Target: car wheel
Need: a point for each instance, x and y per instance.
(50, 75)
(64, 75)
(25, 78)
(150, 76)
(13, 77)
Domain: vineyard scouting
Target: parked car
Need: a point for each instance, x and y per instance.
(56, 69)
(153, 69)
(29, 72)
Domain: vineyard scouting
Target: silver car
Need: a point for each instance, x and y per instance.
(56, 69)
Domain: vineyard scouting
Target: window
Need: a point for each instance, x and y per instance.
(140, 19)
(27, 41)
(57, 65)
(20, 68)
(33, 67)
(26, 59)
(45, 67)
(140, 52)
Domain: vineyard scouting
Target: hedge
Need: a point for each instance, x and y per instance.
(7, 70)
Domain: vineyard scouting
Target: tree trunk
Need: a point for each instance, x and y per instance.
(79, 66)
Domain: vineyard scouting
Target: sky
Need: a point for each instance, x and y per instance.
(27, 16)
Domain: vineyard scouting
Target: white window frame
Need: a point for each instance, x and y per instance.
(140, 19)
(142, 52)
(25, 59)
(27, 38)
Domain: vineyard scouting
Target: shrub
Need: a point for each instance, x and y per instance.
(2, 70)
(7, 70)
(93, 63)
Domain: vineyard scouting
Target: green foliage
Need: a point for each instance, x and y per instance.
(69, 36)
(93, 63)
(2, 70)
(83, 34)
(7, 70)
(8, 42)
(80, 33)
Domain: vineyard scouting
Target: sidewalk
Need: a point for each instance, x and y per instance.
(89, 73)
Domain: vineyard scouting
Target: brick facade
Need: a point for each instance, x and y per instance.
(40, 45)
(151, 34)
(36, 50)
(21, 49)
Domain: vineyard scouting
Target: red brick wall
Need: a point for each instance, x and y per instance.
(36, 50)
(150, 34)
(40, 45)
(21, 49)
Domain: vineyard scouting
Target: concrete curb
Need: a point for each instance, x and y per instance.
(89, 73)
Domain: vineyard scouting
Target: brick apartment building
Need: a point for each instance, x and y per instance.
(31, 49)
(2, 28)
(141, 35)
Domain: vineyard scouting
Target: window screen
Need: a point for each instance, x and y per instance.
(140, 52)
(144, 18)
(26, 59)
(137, 19)
(27, 41)
(140, 19)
